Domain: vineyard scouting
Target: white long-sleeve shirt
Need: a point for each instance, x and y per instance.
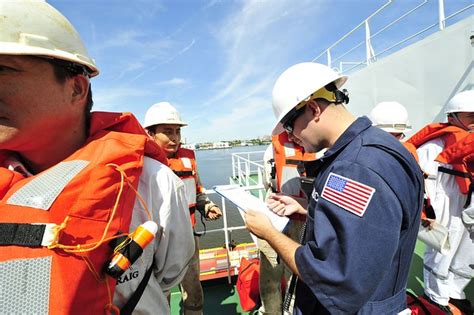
(173, 246)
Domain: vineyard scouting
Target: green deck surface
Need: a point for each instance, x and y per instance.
(222, 299)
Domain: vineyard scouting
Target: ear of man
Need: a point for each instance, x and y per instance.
(79, 86)
(316, 109)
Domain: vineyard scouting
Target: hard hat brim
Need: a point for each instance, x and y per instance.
(278, 129)
(171, 122)
(23, 50)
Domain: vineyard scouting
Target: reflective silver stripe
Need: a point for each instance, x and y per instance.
(186, 162)
(25, 286)
(41, 192)
(289, 150)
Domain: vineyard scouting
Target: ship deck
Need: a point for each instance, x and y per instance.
(222, 298)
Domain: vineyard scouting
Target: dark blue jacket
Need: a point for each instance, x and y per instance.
(362, 225)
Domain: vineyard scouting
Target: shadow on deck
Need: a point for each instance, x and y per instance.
(220, 298)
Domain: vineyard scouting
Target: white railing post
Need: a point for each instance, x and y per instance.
(233, 166)
(226, 238)
(260, 182)
(369, 51)
(239, 171)
(441, 16)
(247, 173)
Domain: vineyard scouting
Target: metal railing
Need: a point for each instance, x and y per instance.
(245, 166)
(226, 229)
(370, 55)
(248, 169)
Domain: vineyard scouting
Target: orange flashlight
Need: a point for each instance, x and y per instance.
(126, 256)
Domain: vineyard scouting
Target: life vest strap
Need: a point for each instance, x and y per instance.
(26, 235)
(293, 162)
(184, 173)
(464, 175)
(469, 195)
(453, 172)
(128, 308)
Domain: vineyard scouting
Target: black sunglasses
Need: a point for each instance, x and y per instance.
(288, 121)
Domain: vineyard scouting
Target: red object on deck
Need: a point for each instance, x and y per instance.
(247, 284)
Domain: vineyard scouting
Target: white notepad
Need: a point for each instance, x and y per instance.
(244, 200)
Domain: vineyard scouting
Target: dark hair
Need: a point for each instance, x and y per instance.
(64, 70)
(151, 130)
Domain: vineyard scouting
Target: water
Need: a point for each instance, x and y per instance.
(215, 168)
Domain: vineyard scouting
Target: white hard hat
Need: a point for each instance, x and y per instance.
(297, 84)
(461, 102)
(162, 113)
(391, 117)
(33, 27)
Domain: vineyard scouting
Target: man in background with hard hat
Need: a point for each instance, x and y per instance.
(163, 123)
(449, 188)
(75, 185)
(391, 117)
(364, 211)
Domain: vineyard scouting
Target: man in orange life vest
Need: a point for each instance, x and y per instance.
(284, 164)
(70, 181)
(164, 123)
(462, 152)
(448, 187)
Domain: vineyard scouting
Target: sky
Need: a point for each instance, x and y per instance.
(216, 61)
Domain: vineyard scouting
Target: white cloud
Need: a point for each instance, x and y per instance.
(185, 49)
(250, 39)
(172, 82)
(244, 120)
(212, 3)
(159, 59)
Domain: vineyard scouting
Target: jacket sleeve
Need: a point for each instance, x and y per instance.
(442, 188)
(175, 245)
(427, 154)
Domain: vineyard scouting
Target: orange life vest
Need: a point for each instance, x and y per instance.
(289, 158)
(80, 193)
(183, 165)
(450, 135)
(461, 152)
(412, 149)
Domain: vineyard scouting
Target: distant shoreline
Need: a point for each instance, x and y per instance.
(228, 147)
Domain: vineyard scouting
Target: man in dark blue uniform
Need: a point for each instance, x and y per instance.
(364, 211)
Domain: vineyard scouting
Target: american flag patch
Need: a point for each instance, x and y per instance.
(347, 193)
